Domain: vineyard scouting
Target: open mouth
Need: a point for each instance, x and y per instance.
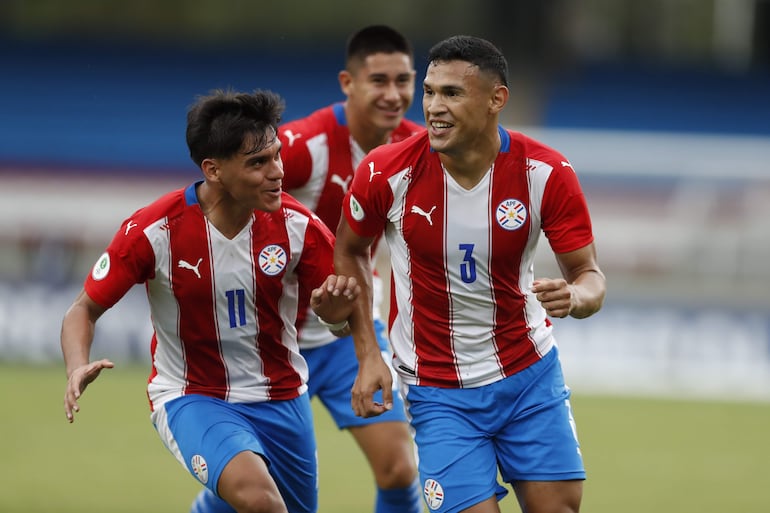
(440, 127)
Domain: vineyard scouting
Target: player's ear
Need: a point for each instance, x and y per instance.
(499, 98)
(210, 170)
(345, 79)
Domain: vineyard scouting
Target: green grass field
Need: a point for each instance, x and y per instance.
(642, 455)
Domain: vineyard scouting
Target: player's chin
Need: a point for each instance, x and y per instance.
(271, 201)
(437, 141)
(390, 118)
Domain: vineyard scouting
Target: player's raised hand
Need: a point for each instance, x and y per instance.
(77, 383)
(333, 301)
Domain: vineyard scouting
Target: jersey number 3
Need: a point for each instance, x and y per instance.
(468, 265)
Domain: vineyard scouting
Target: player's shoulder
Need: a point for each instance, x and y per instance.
(405, 129)
(318, 121)
(294, 211)
(408, 149)
(535, 150)
(169, 205)
(292, 207)
(389, 159)
(163, 214)
(289, 202)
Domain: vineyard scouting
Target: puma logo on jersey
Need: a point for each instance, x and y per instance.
(130, 225)
(564, 163)
(427, 215)
(372, 172)
(291, 137)
(339, 181)
(184, 264)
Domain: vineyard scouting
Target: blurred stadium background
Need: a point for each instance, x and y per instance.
(663, 107)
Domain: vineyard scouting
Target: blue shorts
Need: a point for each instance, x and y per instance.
(205, 433)
(333, 369)
(521, 425)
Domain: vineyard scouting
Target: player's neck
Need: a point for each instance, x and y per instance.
(227, 217)
(228, 222)
(364, 134)
(469, 164)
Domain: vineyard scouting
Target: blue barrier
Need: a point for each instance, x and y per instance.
(107, 107)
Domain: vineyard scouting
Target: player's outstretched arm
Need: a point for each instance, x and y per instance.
(77, 334)
(352, 258)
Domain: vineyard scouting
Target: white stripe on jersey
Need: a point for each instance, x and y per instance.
(310, 193)
(313, 333)
(288, 304)
(537, 173)
(231, 259)
(169, 358)
(472, 314)
(402, 329)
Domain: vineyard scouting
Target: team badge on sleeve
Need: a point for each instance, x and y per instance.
(355, 209)
(511, 214)
(272, 259)
(101, 267)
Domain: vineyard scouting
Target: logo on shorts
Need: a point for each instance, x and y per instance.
(511, 214)
(101, 267)
(272, 259)
(434, 493)
(200, 468)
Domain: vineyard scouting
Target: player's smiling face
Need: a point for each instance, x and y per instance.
(252, 178)
(380, 89)
(456, 102)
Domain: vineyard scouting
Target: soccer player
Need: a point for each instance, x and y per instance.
(320, 153)
(461, 208)
(226, 262)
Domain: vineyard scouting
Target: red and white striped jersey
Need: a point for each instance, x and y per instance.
(319, 157)
(223, 310)
(462, 313)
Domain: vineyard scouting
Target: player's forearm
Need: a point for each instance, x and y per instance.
(362, 329)
(588, 292)
(77, 334)
(360, 321)
(77, 331)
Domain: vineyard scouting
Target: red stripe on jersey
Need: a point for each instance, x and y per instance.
(205, 369)
(275, 357)
(510, 180)
(432, 330)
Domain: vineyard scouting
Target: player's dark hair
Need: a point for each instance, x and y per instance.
(376, 39)
(475, 50)
(219, 123)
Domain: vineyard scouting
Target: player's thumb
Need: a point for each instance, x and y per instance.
(387, 398)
